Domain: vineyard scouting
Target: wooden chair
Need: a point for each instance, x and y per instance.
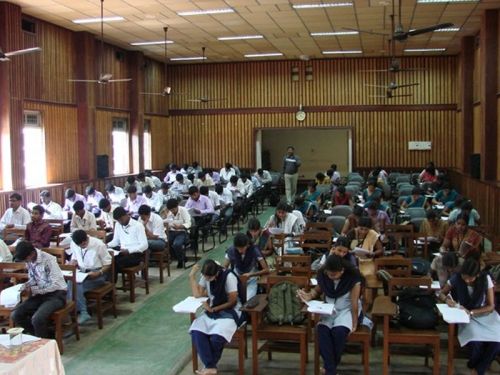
(384, 307)
(316, 242)
(238, 341)
(12, 234)
(162, 258)
(17, 273)
(57, 226)
(325, 226)
(402, 237)
(60, 317)
(284, 338)
(103, 298)
(129, 279)
(295, 265)
(58, 252)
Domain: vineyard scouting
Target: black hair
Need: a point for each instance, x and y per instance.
(329, 172)
(79, 236)
(373, 205)
(372, 181)
(69, 193)
(365, 222)
(282, 206)
(39, 208)
(147, 189)
(343, 241)
(192, 190)
(431, 214)
(233, 179)
(79, 205)
(336, 263)
(241, 240)
(195, 164)
(201, 174)
(210, 268)
(293, 148)
(89, 190)
(164, 185)
(16, 196)
(416, 190)
(219, 189)
(463, 216)
(204, 190)
(341, 189)
(333, 167)
(103, 203)
(253, 224)
(450, 259)
(179, 177)
(358, 211)
(470, 267)
(119, 212)
(312, 184)
(260, 171)
(141, 176)
(144, 210)
(130, 179)
(320, 176)
(23, 250)
(467, 205)
(45, 193)
(172, 203)
(132, 189)
(110, 188)
(228, 165)
(190, 177)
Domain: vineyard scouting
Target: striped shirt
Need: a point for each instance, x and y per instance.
(44, 273)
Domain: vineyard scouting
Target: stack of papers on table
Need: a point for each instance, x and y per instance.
(434, 286)
(189, 305)
(453, 314)
(10, 297)
(5, 340)
(322, 308)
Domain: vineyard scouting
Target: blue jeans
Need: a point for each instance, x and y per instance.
(82, 288)
(157, 245)
(176, 240)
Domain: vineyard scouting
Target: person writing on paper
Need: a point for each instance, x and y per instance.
(261, 239)
(284, 220)
(46, 289)
(340, 283)
(216, 327)
(244, 258)
(178, 222)
(365, 238)
(91, 257)
(341, 248)
(472, 290)
(433, 228)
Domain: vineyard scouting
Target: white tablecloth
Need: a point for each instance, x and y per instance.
(36, 358)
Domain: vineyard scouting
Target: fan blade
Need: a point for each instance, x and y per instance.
(152, 93)
(379, 86)
(23, 51)
(408, 85)
(429, 29)
(412, 70)
(216, 100)
(83, 80)
(364, 31)
(120, 80)
(377, 96)
(194, 100)
(400, 96)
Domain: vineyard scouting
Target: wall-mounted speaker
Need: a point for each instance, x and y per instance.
(120, 56)
(475, 165)
(102, 166)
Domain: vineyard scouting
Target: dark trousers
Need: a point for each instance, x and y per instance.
(176, 240)
(157, 245)
(481, 355)
(209, 347)
(331, 345)
(34, 313)
(123, 261)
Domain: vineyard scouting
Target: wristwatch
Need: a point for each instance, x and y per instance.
(471, 313)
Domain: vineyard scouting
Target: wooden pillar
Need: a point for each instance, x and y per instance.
(85, 68)
(11, 100)
(136, 61)
(489, 62)
(467, 100)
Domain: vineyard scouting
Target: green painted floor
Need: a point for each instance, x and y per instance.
(151, 340)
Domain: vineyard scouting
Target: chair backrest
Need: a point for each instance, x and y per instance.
(354, 183)
(396, 266)
(325, 226)
(401, 236)
(403, 178)
(58, 252)
(352, 189)
(341, 210)
(404, 185)
(401, 198)
(295, 265)
(417, 223)
(12, 271)
(396, 284)
(405, 190)
(337, 222)
(69, 272)
(319, 241)
(300, 281)
(57, 226)
(357, 178)
(416, 212)
(12, 234)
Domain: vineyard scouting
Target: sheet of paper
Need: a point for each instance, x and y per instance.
(313, 282)
(81, 276)
(322, 308)
(327, 212)
(113, 251)
(360, 252)
(189, 305)
(10, 297)
(5, 341)
(453, 314)
(440, 206)
(434, 286)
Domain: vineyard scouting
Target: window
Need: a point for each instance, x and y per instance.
(147, 145)
(121, 163)
(35, 170)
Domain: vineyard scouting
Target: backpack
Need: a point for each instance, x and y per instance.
(420, 267)
(284, 306)
(417, 309)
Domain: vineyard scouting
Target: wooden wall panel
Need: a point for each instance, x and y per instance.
(46, 73)
(335, 82)
(379, 137)
(477, 75)
(154, 82)
(115, 62)
(477, 129)
(161, 139)
(61, 143)
(104, 144)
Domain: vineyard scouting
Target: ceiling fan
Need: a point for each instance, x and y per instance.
(399, 32)
(389, 95)
(204, 98)
(393, 86)
(4, 56)
(104, 78)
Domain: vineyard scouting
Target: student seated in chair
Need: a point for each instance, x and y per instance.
(155, 230)
(38, 232)
(16, 216)
(245, 259)
(130, 238)
(472, 290)
(416, 199)
(340, 283)
(216, 327)
(262, 240)
(178, 222)
(53, 210)
(91, 256)
(46, 290)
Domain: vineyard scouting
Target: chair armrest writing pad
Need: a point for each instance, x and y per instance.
(384, 306)
(259, 307)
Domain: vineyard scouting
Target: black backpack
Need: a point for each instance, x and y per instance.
(417, 309)
(420, 267)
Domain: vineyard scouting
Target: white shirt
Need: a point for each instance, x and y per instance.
(226, 174)
(19, 218)
(55, 209)
(238, 190)
(214, 197)
(226, 197)
(93, 257)
(5, 254)
(155, 225)
(117, 197)
(180, 188)
(86, 223)
(266, 177)
(248, 187)
(131, 237)
(181, 218)
(156, 181)
(94, 199)
(107, 217)
(155, 202)
(170, 176)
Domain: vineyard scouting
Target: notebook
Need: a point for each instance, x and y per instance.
(189, 305)
(453, 314)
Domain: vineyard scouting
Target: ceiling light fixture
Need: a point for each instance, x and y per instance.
(324, 5)
(447, 30)
(446, 1)
(271, 54)
(207, 11)
(240, 37)
(151, 43)
(188, 58)
(340, 52)
(82, 21)
(335, 33)
(425, 49)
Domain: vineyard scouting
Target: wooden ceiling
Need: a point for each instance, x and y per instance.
(285, 29)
